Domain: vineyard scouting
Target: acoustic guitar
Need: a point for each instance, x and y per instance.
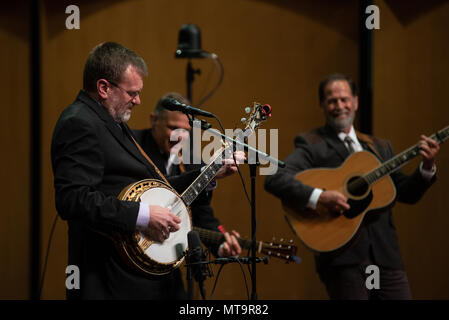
(367, 184)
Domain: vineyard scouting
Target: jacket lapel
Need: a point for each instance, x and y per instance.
(115, 129)
(368, 143)
(331, 138)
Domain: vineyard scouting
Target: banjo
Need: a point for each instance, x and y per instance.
(157, 258)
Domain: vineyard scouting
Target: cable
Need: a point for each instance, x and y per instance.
(218, 275)
(217, 62)
(243, 181)
(46, 255)
(216, 281)
(235, 160)
(241, 177)
(244, 277)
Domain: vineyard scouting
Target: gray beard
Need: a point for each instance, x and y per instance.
(341, 124)
(122, 117)
(125, 117)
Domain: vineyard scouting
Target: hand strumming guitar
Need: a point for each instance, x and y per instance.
(334, 201)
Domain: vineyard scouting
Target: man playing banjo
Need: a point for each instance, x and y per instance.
(94, 157)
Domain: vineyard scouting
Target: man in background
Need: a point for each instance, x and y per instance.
(156, 141)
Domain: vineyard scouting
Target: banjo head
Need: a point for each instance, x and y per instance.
(148, 256)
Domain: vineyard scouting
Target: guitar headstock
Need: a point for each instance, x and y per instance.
(280, 249)
(256, 115)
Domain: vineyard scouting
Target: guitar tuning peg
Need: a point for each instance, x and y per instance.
(291, 241)
(243, 120)
(282, 240)
(248, 109)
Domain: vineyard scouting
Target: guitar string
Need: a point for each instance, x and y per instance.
(398, 161)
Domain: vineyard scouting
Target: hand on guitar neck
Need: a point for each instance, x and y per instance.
(428, 148)
(161, 223)
(231, 246)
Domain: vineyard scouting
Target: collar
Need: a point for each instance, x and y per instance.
(351, 134)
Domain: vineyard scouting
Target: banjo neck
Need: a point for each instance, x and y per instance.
(205, 177)
(258, 114)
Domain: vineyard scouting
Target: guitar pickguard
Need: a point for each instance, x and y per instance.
(358, 206)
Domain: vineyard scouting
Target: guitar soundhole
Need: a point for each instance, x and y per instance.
(357, 186)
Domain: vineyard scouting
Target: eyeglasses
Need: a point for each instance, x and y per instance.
(131, 94)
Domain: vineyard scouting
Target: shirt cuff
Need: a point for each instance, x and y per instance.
(313, 200)
(143, 217)
(427, 174)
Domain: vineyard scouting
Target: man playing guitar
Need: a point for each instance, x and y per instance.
(343, 271)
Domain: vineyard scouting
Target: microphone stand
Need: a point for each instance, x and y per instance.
(189, 277)
(190, 77)
(253, 173)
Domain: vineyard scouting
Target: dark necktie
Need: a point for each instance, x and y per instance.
(349, 143)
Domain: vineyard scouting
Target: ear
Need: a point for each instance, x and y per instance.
(102, 88)
(153, 119)
(356, 103)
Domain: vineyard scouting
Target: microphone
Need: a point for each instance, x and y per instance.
(174, 105)
(195, 257)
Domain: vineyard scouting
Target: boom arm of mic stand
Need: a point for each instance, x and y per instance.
(261, 154)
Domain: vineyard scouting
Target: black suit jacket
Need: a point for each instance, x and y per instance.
(202, 212)
(322, 148)
(93, 160)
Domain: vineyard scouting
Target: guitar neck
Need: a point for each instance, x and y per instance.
(215, 237)
(401, 159)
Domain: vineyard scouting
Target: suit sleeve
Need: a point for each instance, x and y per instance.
(284, 185)
(78, 165)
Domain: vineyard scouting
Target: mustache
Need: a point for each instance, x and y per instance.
(336, 113)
